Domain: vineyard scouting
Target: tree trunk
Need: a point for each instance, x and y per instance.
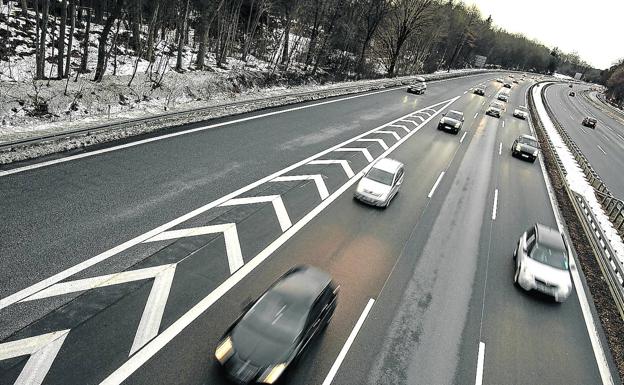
(100, 69)
(37, 37)
(285, 50)
(42, 40)
(151, 32)
(205, 34)
(181, 29)
(72, 21)
(85, 44)
(136, 25)
(61, 40)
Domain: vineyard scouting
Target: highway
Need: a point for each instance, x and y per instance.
(128, 265)
(604, 145)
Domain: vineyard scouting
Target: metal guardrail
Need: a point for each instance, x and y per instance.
(610, 266)
(206, 113)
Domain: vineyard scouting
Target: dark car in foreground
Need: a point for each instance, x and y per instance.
(525, 147)
(451, 121)
(542, 264)
(572, 93)
(278, 326)
(419, 87)
(479, 91)
(589, 122)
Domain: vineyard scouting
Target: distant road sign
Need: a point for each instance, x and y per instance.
(479, 61)
(578, 75)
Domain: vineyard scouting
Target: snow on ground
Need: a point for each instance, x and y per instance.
(576, 177)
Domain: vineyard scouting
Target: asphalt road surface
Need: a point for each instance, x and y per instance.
(128, 266)
(604, 145)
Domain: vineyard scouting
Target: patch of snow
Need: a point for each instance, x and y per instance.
(576, 177)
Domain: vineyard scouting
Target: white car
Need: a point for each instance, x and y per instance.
(521, 112)
(542, 262)
(503, 97)
(495, 109)
(381, 183)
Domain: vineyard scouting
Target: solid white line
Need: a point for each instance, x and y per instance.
(317, 178)
(435, 185)
(495, 206)
(396, 136)
(465, 92)
(463, 136)
(344, 163)
(345, 349)
(364, 151)
(476, 113)
(15, 297)
(380, 141)
(500, 148)
(480, 360)
(143, 355)
(600, 148)
(278, 206)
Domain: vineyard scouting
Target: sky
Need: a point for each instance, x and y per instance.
(591, 28)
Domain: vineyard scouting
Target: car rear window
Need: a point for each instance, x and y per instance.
(381, 176)
(275, 317)
(530, 142)
(548, 256)
(454, 115)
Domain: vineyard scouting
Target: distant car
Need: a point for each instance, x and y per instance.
(515, 81)
(479, 91)
(451, 121)
(499, 80)
(502, 96)
(495, 109)
(570, 85)
(572, 93)
(525, 147)
(419, 87)
(542, 262)
(381, 183)
(521, 112)
(278, 327)
(507, 85)
(590, 122)
(511, 76)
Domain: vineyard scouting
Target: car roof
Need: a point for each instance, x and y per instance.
(549, 237)
(387, 164)
(456, 112)
(528, 137)
(301, 285)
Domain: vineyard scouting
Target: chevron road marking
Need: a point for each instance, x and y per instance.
(364, 151)
(42, 350)
(344, 163)
(400, 126)
(380, 141)
(318, 180)
(419, 117)
(411, 121)
(396, 136)
(278, 206)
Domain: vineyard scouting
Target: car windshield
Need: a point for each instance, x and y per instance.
(528, 141)
(522, 108)
(497, 105)
(454, 115)
(381, 176)
(275, 317)
(551, 257)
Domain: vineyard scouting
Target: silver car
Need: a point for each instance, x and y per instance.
(521, 112)
(381, 183)
(495, 109)
(542, 262)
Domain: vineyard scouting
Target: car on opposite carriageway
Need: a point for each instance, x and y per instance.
(381, 183)
(277, 328)
(541, 257)
(451, 121)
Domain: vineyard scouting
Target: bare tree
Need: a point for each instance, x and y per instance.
(61, 40)
(372, 15)
(40, 73)
(181, 30)
(85, 45)
(100, 69)
(72, 22)
(251, 27)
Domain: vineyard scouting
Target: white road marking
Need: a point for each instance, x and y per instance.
(400, 126)
(582, 129)
(435, 186)
(495, 206)
(601, 359)
(345, 349)
(480, 360)
(483, 103)
(418, 117)
(15, 297)
(465, 92)
(500, 148)
(429, 109)
(380, 141)
(278, 206)
(475, 116)
(154, 308)
(396, 136)
(411, 121)
(42, 350)
(230, 235)
(364, 151)
(317, 178)
(503, 124)
(344, 163)
(600, 148)
(463, 136)
(143, 355)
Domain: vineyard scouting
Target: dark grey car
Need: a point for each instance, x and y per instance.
(451, 121)
(278, 326)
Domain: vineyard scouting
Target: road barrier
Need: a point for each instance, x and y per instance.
(610, 266)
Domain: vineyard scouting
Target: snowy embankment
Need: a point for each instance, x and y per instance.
(575, 176)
